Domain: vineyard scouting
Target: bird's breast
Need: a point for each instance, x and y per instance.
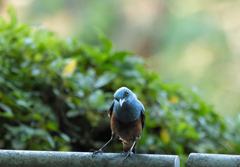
(126, 131)
(126, 113)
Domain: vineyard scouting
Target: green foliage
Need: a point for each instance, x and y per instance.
(55, 93)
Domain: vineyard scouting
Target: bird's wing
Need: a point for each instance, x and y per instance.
(143, 117)
(110, 110)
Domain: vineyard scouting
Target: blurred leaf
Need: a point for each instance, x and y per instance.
(35, 72)
(93, 118)
(7, 109)
(96, 98)
(70, 68)
(18, 145)
(107, 44)
(73, 113)
(174, 99)
(164, 134)
(52, 126)
(104, 79)
(65, 137)
(13, 15)
(37, 116)
(70, 104)
(51, 142)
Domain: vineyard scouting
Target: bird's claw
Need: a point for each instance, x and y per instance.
(95, 152)
(129, 154)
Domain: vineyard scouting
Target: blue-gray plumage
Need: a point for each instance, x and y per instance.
(132, 107)
(127, 115)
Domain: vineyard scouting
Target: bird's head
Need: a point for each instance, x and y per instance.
(122, 95)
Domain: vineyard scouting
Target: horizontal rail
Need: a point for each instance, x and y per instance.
(12, 158)
(213, 160)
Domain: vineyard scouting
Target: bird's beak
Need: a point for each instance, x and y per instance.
(121, 101)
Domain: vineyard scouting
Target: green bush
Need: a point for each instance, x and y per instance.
(55, 93)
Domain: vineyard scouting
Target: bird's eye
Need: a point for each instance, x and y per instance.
(127, 93)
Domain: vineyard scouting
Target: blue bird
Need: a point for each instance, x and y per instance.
(127, 116)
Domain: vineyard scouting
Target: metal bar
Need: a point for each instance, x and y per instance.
(12, 158)
(213, 160)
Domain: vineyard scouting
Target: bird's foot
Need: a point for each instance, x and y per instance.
(95, 152)
(129, 154)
